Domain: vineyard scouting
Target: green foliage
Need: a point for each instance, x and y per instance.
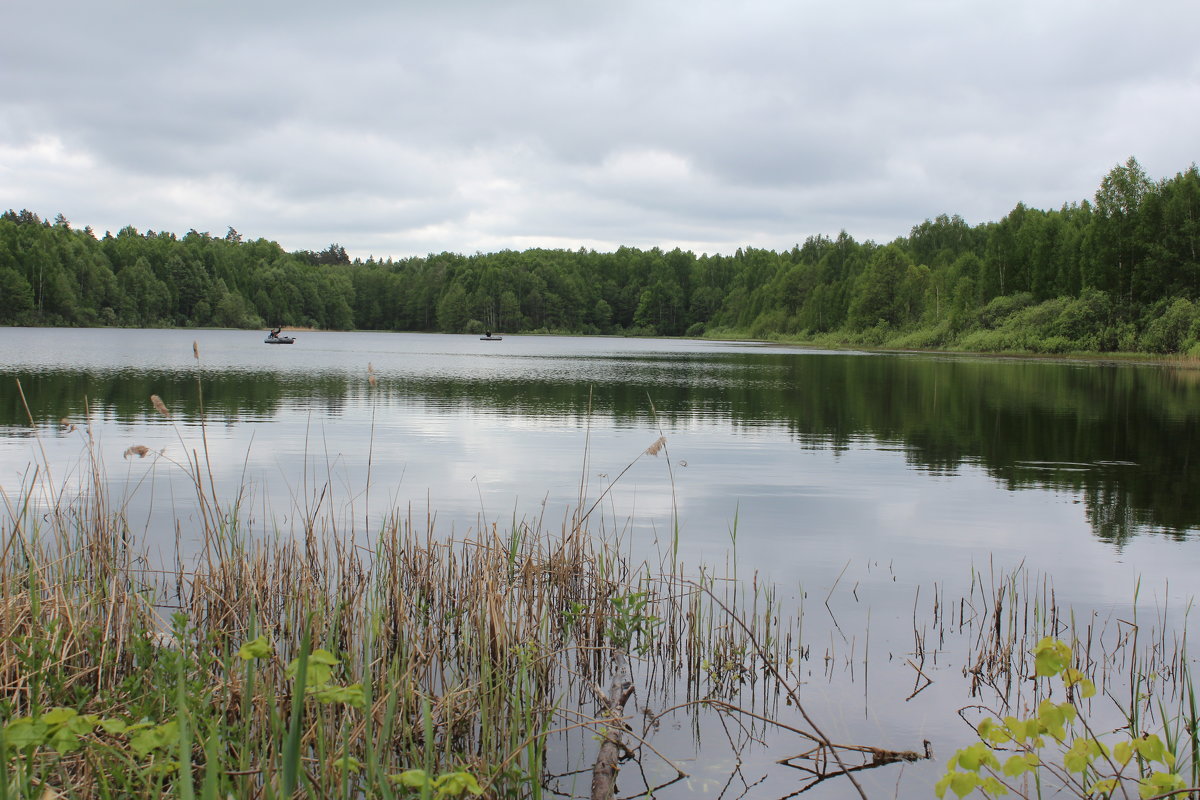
(447, 784)
(1171, 329)
(60, 728)
(1120, 275)
(1056, 745)
(630, 624)
(149, 752)
(256, 648)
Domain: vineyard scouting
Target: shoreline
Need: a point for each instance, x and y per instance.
(1178, 360)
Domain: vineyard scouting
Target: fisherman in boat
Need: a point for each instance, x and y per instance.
(275, 332)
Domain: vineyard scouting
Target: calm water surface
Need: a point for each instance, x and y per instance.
(852, 477)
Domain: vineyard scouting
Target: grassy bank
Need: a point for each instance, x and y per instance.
(1085, 325)
(918, 342)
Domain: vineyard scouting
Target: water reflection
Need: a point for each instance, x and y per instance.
(1117, 437)
(1121, 438)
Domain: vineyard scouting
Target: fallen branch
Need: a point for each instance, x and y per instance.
(604, 772)
(871, 757)
(816, 733)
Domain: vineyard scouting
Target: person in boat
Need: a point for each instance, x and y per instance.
(275, 332)
(488, 334)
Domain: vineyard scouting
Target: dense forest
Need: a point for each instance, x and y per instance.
(1120, 273)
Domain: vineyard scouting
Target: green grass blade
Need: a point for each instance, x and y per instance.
(186, 787)
(291, 750)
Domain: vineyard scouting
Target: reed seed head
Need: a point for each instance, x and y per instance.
(659, 444)
(195, 349)
(139, 450)
(159, 405)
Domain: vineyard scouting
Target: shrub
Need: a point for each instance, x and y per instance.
(935, 337)
(1168, 332)
(999, 309)
(1082, 319)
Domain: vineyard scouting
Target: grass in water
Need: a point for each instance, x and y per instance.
(276, 666)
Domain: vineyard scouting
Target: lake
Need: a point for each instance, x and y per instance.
(860, 484)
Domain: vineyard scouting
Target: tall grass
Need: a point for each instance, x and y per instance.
(274, 665)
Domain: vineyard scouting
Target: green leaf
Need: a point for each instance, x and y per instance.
(993, 787)
(992, 732)
(1073, 677)
(1053, 718)
(1160, 783)
(412, 778)
(1105, 786)
(323, 657)
(255, 648)
(976, 756)
(113, 725)
(65, 740)
(963, 783)
(1022, 729)
(1078, 757)
(59, 716)
(351, 695)
(1050, 657)
(25, 732)
(319, 669)
(1016, 765)
(144, 743)
(1150, 747)
(453, 784)
(156, 738)
(348, 764)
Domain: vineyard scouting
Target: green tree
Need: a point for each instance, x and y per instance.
(146, 299)
(232, 310)
(1118, 247)
(877, 296)
(453, 311)
(16, 297)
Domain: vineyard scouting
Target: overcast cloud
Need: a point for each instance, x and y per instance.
(402, 128)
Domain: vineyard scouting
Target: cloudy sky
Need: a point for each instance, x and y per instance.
(400, 128)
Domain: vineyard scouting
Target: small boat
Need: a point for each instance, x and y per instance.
(274, 338)
(490, 338)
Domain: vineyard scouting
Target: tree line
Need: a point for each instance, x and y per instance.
(1119, 273)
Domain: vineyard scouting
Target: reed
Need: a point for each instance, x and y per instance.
(278, 665)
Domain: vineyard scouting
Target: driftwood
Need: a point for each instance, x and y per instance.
(820, 769)
(604, 771)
